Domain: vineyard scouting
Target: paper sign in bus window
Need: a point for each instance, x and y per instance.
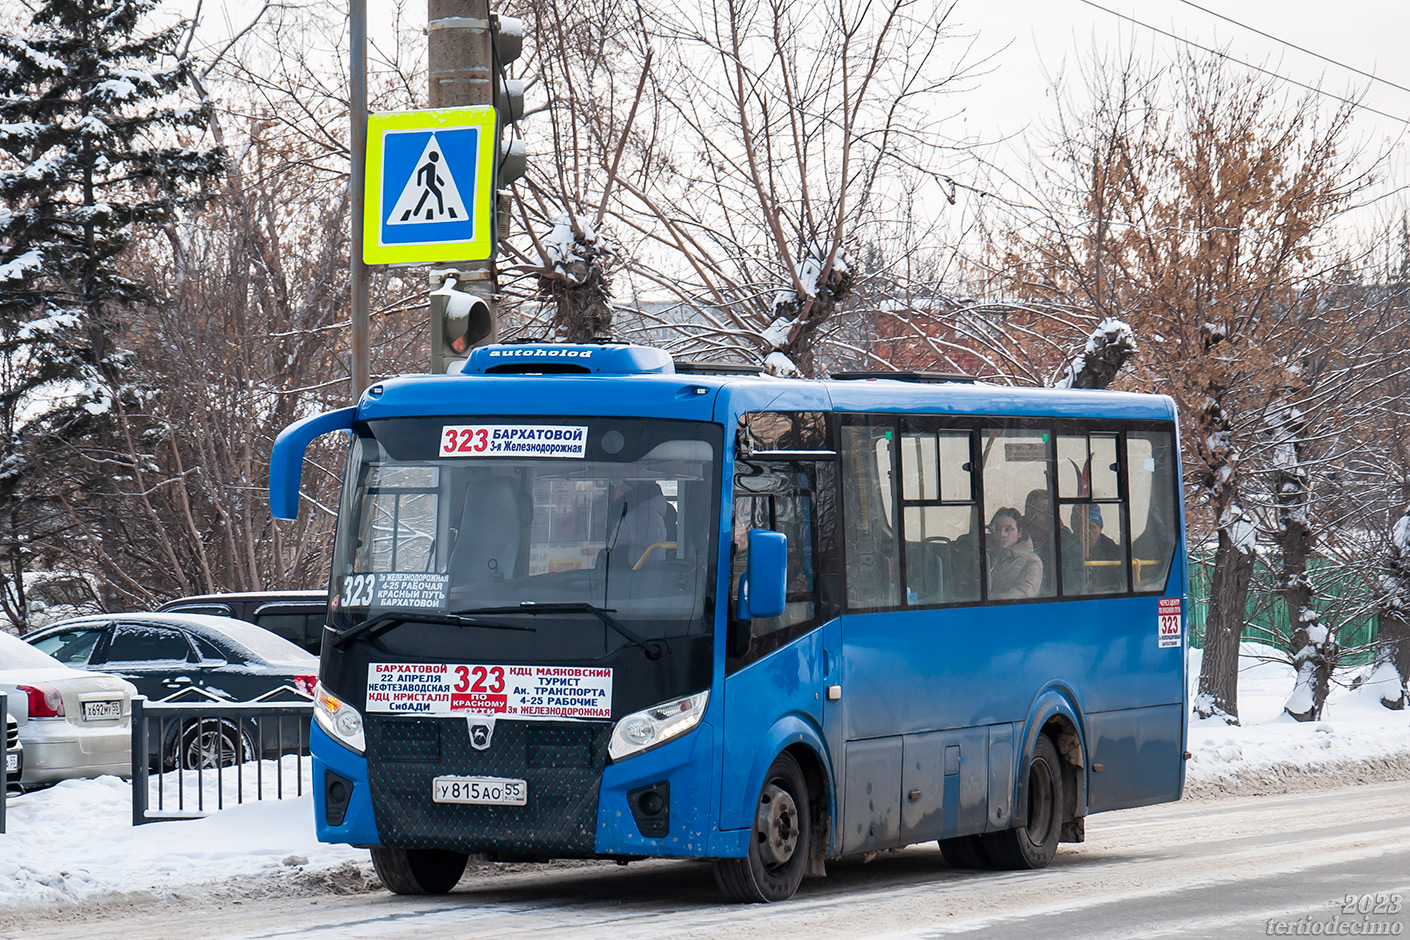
(480, 689)
(510, 440)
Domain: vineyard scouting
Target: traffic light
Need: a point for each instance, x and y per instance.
(508, 32)
(460, 321)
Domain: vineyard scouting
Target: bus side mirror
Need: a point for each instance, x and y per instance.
(286, 462)
(763, 590)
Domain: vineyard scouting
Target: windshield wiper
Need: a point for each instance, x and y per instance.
(652, 648)
(390, 620)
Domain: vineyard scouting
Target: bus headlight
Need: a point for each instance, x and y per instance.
(339, 719)
(656, 725)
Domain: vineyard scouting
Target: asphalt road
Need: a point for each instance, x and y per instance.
(1229, 868)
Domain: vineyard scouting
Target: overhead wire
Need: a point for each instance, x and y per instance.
(1224, 55)
(1293, 45)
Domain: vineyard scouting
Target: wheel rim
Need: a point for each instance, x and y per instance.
(1040, 802)
(208, 749)
(776, 826)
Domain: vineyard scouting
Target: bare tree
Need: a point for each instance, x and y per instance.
(1190, 203)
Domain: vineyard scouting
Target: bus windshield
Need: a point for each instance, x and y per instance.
(493, 516)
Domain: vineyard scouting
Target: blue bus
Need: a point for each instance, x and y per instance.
(589, 602)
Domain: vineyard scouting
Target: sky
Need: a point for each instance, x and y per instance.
(1034, 40)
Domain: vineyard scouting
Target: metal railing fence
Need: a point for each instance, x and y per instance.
(203, 756)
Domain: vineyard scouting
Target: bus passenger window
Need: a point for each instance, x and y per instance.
(1089, 493)
(1097, 528)
(1150, 468)
(869, 516)
(1016, 477)
(939, 518)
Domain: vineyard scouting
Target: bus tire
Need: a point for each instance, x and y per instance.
(778, 843)
(418, 871)
(1033, 845)
(964, 852)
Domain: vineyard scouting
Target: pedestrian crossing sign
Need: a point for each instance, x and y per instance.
(430, 186)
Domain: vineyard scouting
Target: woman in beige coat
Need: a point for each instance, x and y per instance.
(1015, 570)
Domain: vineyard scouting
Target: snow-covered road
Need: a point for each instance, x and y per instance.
(1208, 869)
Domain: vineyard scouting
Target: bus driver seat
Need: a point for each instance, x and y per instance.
(490, 534)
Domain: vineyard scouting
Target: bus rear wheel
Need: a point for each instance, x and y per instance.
(1035, 844)
(964, 852)
(778, 842)
(418, 871)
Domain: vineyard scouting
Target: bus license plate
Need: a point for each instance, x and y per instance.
(98, 711)
(492, 791)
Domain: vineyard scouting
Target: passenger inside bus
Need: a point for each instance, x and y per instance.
(1038, 527)
(1015, 570)
(641, 524)
(1105, 571)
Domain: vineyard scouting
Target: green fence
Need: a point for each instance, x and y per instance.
(1266, 617)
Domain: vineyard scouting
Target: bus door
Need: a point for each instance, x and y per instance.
(774, 666)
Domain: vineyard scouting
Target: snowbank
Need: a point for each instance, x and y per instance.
(1357, 741)
(75, 841)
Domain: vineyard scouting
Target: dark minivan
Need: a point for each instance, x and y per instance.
(297, 616)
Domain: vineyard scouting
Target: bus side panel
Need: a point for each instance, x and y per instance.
(969, 666)
(359, 826)
(871, 818)
(786, 684)
(687, 765)
(1141, 753)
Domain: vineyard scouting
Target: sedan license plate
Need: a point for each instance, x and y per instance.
(98, 711)
(492, 791)
(12, 763)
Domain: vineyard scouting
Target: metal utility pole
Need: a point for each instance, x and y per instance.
(460, 59)
(357, 98)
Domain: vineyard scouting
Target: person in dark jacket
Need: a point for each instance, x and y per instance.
(1108, 575)
(1014, 569)
(1038, 527)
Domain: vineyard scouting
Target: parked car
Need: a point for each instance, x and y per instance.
(191, 658)
(185, 657)
(297, 616)
(14, 751)
(71, 723)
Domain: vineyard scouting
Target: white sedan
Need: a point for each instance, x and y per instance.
(72, 723)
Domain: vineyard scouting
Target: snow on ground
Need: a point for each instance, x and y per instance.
(1356, 736)
(75, 842)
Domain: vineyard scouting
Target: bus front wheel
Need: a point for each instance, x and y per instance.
(778, 841)
(418, 871)
(1033, 845)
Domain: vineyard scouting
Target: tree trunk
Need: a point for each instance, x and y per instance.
(1314, 647)
(1228, 598)
(1393, 638)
